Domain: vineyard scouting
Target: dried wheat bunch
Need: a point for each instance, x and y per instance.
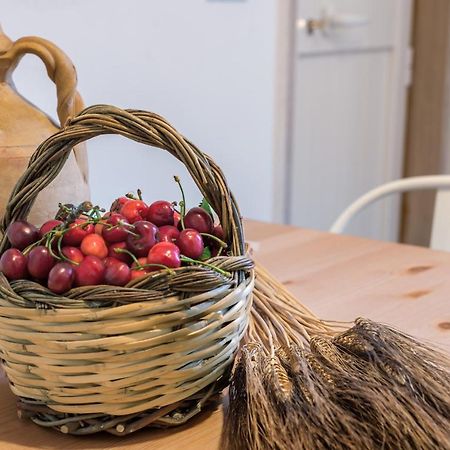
(305, 384)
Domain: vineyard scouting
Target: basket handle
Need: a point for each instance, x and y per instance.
(140, 126)
(59, 69)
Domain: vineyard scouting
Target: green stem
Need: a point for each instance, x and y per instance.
(140, 266)
(48, 244)
(126, 224)
(34, 244)
(122, 224)
(183, 201)
(222, 244)
(127, 252)
(202, 263)
(79, 225)
(62, 255)
(161, 266)
(131, 232)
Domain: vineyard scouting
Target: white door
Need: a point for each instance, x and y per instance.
(349, 94)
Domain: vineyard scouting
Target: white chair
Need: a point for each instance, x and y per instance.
(440, 234)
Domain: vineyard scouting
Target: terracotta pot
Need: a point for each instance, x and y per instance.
(23, 127)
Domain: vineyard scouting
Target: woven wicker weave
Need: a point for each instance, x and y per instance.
(118, 359)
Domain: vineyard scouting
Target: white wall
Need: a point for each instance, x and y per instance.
(207, 66)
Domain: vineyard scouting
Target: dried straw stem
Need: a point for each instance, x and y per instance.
(308, 385)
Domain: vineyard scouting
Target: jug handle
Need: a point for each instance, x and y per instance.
(60, 70)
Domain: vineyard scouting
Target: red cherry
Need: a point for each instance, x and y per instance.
(161, 213)
(40, 262)
(136, 273)
(212, 243)
(166, 254)
(176, 218)
(49, 226)
(146, 239)
(94, 245)
(13, 264)
(117, 274)
(134, 210)
(190, 243)
(110, 260)
(73, 253)
(118, 255)
(118, 203)
(90, 272)
(115, 234)
(98, 228)
(61, 278)
(142, 262)
(198, 219)
(21, 234)
(218, 232)
(168, 233)
(77, 232)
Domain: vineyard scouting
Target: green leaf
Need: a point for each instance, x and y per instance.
(206, 206)
(206, 254)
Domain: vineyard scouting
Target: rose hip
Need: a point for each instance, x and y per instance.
(13, 264)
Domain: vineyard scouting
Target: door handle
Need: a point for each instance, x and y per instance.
(332, 22)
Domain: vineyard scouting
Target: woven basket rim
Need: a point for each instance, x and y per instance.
(163, 342)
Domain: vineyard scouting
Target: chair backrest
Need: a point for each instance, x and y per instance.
(440, 236)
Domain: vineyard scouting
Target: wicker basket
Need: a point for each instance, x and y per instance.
(119, 359)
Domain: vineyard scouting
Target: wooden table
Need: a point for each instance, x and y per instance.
(339, 277)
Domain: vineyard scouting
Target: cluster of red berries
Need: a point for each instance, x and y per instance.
(89, 247)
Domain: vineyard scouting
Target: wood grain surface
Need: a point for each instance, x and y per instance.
(339, 277)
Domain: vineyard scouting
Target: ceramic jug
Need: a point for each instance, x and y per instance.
(23, 127)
